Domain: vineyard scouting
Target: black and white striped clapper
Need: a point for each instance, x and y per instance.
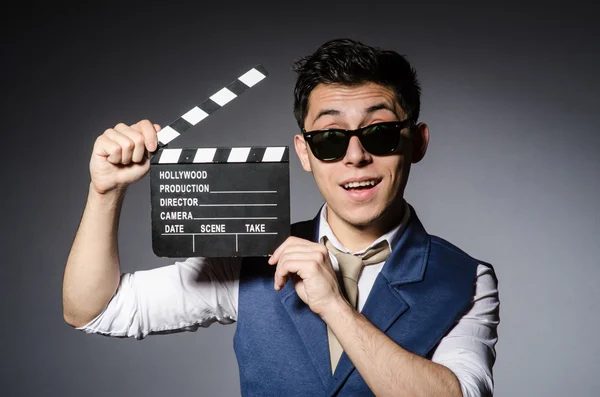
(218, 202)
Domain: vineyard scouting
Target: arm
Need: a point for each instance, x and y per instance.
(386, 367)
(181, 297)
(461, 364)
(469, 348)
(92, 271)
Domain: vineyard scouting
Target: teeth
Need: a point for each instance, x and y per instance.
(357, 184)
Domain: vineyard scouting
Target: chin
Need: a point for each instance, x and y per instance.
(361, 220)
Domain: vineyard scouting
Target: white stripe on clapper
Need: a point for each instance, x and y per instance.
(169, 156)
(223, 97)
(273, 154)
(238, 155)
(195, 116)
(167, 134)
(205, 155)
(251, 77)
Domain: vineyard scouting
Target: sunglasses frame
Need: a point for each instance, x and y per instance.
(308, 135)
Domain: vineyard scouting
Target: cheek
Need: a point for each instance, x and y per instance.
(323, 177)
(395, 167)
(397, 173)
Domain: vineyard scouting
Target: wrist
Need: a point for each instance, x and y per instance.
(110, 199)
(336, 309)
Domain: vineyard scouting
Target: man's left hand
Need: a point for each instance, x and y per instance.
(308, 264)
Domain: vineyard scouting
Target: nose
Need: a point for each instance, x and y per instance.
(356, 153)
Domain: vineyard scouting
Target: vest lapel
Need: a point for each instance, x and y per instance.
(310, 327)
(312, 331)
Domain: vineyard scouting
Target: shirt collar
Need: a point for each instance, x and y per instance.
(391, 237)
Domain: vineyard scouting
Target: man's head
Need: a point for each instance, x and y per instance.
(351, 63)
(347, 85)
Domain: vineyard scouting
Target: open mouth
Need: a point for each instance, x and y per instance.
(362, 185)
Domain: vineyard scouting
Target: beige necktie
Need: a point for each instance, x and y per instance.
(350, 267)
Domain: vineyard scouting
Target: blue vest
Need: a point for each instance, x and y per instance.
(281, 345)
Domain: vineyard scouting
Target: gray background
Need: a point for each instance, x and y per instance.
(511, 176)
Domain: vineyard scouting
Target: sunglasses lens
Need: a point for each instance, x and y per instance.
(329, 145)
(381, 139)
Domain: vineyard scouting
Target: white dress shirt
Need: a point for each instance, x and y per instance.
(199, 291)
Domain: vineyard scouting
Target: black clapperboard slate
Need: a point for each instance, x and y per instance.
(222, 207)
(218, 202)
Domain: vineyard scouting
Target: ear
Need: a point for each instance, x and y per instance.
(420, 141)
(302, 152)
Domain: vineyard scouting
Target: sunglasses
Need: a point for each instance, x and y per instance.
(378, 139)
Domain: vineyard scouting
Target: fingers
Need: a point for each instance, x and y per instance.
(304, 264)
(295, 253)
(127, 141)
(301, 257)
(108, 148)
(138, 137)
(148, 131)
(296, 242)
(125, 145)
(291, 267)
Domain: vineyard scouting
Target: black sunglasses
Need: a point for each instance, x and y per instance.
(378, 139)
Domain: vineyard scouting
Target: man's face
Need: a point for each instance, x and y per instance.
(352, 107)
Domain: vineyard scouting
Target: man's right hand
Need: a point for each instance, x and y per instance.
(120, 156)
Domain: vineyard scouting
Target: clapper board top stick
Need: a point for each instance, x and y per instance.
(218, 202)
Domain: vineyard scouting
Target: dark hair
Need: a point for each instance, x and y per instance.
(349, 62)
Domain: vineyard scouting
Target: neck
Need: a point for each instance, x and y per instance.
(358, 237)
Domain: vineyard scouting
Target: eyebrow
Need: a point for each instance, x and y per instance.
(379, 106)
(369, 110)
(327, 112)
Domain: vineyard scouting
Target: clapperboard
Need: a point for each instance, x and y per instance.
(218, 202)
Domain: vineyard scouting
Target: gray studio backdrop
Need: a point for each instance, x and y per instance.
(511, 175)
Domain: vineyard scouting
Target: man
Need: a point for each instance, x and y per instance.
(419, 322)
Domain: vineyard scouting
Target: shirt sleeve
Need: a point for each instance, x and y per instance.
(468, 350)
(180, 297)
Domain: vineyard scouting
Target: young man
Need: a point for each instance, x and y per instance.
(419, 322)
